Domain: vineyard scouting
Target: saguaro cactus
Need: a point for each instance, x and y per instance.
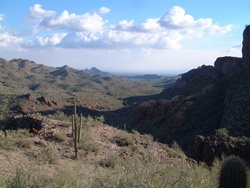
(76, 130)
(233, 173)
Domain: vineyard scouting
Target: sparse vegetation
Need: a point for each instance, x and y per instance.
(60, 136)
(124, 139)
(222, 132)
(108, 156)
(143, 168)
(15, 139)
(48, 155)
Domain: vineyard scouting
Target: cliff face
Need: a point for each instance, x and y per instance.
(246, 50)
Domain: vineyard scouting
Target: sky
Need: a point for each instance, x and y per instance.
(147, 36)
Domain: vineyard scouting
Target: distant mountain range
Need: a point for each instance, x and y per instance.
(92, 88)
(96, 71)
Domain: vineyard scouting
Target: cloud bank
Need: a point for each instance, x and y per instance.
(91, 31)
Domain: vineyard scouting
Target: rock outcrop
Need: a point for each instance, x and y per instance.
(158, 108)
(229, 65)
(246, 50)
(206, 149)
(30, 104)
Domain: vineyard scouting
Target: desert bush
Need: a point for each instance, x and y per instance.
(114, 171)
(16, 139)
(60, 116)
(90, 146)
(25, 177)
(222, 132)
(48, 155)
(124, 139)
(148, 137)
(108, 162)
(175, 151)
(76, 175)
(60, 136)
(100, 119)
(86, 143)
(24, 143)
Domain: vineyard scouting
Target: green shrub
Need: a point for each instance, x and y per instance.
(222, 132)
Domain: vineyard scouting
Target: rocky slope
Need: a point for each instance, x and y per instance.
(207, 113)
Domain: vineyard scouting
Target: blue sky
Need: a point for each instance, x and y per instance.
(123, 35)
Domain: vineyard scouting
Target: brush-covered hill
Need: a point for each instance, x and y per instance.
(28, 87)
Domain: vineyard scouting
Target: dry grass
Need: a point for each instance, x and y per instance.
(108, 157)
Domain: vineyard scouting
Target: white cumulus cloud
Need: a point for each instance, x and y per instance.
(87, 30)
(104, 10)
(48, 41)
(177, 19)
(36, 12)
(9, 40)
(51, 20)
(73, 22)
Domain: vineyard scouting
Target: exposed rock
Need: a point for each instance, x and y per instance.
(158, 108)
(196, 147)
(229, 65)
(246, 50)
(30, 104)
(44, 100)
(206, 149)
(29, 96)
(39, 126)
(54, 102)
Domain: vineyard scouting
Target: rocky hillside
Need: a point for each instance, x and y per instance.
(28, 87)
(207, 113)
